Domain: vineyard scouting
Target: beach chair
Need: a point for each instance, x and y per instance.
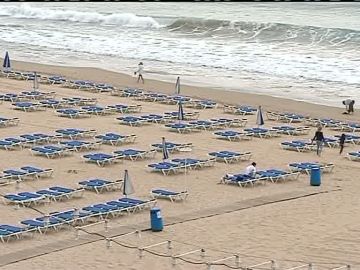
(38, 95)
(29, 106)
(68, 193)
(53, 103)
(155, 118)
(165, 168)
(291, 118)
(174, 100)
(180, 127)
(134, 154)
(138, 203)
(116, 139)
(233, 135)
(242, 180)
(354, 156)
(80, 101)
(262, 132)
(298, 145)
(331, 142)
(72, 113)
(74, 133)
(43, 224)
(24, 199)
(36, 138)
(244, 110)
(230, 157)
(275, 175)
(234, 122)
(81, 145)
(132, 121)
(202, 104)
(290, 130)
(55, 80)
(172, 147)
(51, 151)
(350, 138)
(8, 232)
(103, 88)
(7, 122)
(205, 125)
(38, 172)
(351, 127)
(20, 174)
(306, 167)
(98, 110)
(11, 144)
(127, 92)
(194, 163)
(122, 108)
(102, 159)
(73, 216)
(173, 196)
(100, 185)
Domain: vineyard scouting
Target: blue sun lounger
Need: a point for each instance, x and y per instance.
(7, 122)
(132, 121)
(262, 132)
(51, 151)
(299, 146)
(116, 139)
(241, 180)
(37, 95)
(25, 198)
(291, 118)
(351, 127)
(350, 138)
(10, 144)
(28, 172)
(38, 172)
(172, 147)
(229, 156)
(42, 225)
(154, 118)
(290, 130)
(72, 113)
(8, 232)
(233, 135)
(100, 185)
(127, 92)
(187, 115)
(74, 133)
(306, 167)
(138, 203)
(122, 108)
(239, 109)
(98, 110)
(81, 145)
(275, 175)
(202, 104)
(80, 101)
(173, 100)
(37, 138)
(354, 156)
(153, 97)
(165, 168)
(180, 127)
(205, 125)
(56, 80)
(134, 154)
(233, 122)
(103, 87)
(170, 195)
(12, 97)
(29, 106)
(102, 159)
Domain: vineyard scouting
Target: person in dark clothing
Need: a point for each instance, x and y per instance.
(349, 105)
(342, 142)
(319, 138)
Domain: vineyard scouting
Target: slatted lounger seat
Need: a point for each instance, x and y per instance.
(7, 122)
(38, 172)
(38, 95)
(116, 139)
(36, 138)
(8, 232)
(202, 104)
(227, 122)
(229, 156)
(155, 118)
(51, 151)
(10, 144)
(102, 159)
(187, 115)
(299, 146)
(166, 168)
(74, 133)
(233, 135)
(172, 147)
(56, 80)
(98, 110)
(27, 172)
(80, 101)
(351, 127)
(169, 195)
(242, 180)
(29, 106)
(25, 199)
(72, 113)
(291, 118)
(275, 175)
(194, 163)
(305, 167)
(82, 145)
(173, 100)
(127, 92)
(262, 132)
(354, 156)
(350, 138)
(205, 125)
(290, 130)
(100, 185)
(134, 154)
(180, 127)
(132, 121)
(122, 108)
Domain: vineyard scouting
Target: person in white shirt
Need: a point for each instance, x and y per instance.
(251, 169)
(349, 105)
(140, 71)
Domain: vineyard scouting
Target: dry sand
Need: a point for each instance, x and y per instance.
(322, 228)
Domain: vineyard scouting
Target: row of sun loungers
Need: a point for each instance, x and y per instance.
(240, 110)
(7, 122)
(27, 96)
(285, 117)
(306, 167)
(56, 193)
(24, 173)
(73, 217)
(354, 156)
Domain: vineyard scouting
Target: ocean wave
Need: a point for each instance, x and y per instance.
(278, 32)
(25, 11)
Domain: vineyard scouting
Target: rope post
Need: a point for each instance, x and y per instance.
(138, 233)
(108, 243)
(208, 266)
(348, 267)
(237, 261)
(17, 184)
(169, 247)
(106, 225)
(202, 253)
(77, 234)
(273, 265)
(141, 251)
(311, 266)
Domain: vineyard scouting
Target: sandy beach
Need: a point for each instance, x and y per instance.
(292, 222)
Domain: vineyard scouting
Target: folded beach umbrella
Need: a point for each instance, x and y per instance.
(180, 112)
(259, 117)
(164, 149)
(177, 86)
(127, 186)
(6, 63)
(35, 83)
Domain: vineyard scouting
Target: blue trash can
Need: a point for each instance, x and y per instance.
(315, 177)
(156, 220)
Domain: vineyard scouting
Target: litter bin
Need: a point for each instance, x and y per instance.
(315, 177)
(156, 219)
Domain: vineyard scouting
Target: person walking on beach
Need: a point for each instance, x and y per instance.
(342, 142)
(319, 138)
(140, 72)
(349, 105)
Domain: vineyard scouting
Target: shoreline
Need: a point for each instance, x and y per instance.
(269, 103)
